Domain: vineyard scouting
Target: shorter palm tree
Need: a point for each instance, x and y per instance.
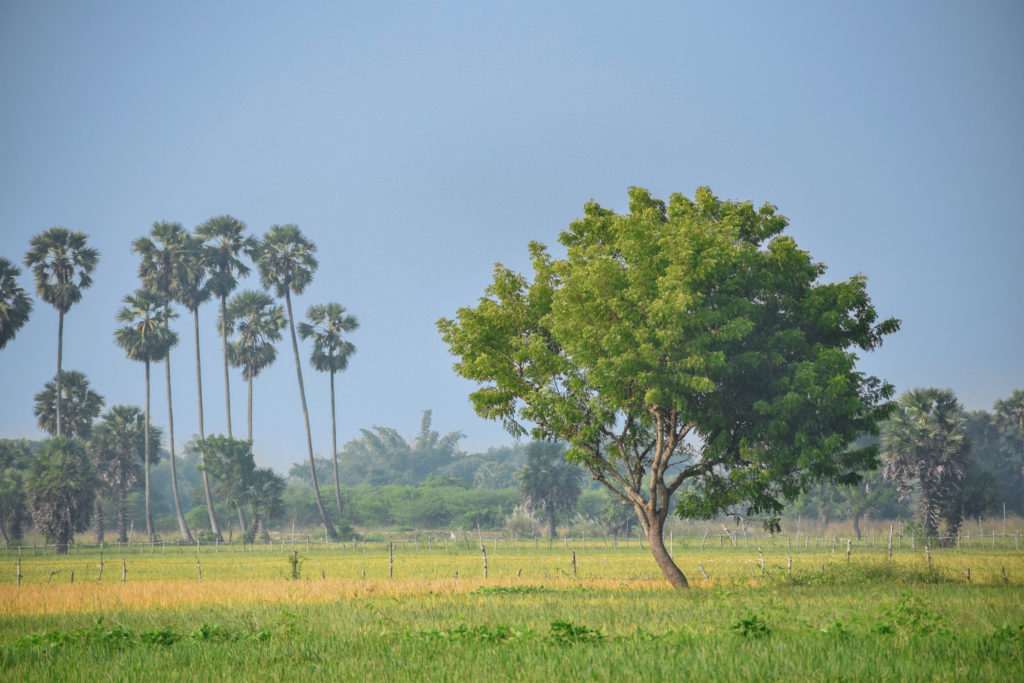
(925, 451)
(15, 304)
(265, 494)
(258, 322)
(328, 323)
(117, 448)
(81, 405)
(547, 482)
(145, 338)
(61, 489)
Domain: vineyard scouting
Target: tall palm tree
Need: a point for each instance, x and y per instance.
(226, 243)
(925, 450)
(117, 449)
(15, 304)
(286, 263)
(145, 337)
(258, 323)
(62, 266)
(80, 402)
(331, 351)
(163, 255)
(192, 290)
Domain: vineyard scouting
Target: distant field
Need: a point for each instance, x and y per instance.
(789, 611)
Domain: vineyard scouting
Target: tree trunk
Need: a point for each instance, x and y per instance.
(224, 350)
(249, 411)
(60, 359)
(182, 526)
(551, 521)
(122, 516)
(254, 523)
(856, 525)
(331, 533)
(149, 514)
(202, 434)
(98, 512)
(334, 449)
(242, 526)
(655, 531)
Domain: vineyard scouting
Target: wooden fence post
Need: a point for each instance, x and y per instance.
(483, 551)
(574, 565)
(391, 560)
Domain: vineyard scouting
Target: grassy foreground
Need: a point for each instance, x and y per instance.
(865, 618)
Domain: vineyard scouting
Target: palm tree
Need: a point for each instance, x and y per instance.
(331, 351)
(230, 462)
(226, 242)
(925, 450)
(15, 304)
(265, 492)
(286, 263)
(62, 266)
(146, 338)
(192, 290)
(61, 489)
(547, 482)
(81, 406)
(117, 448)
(163, 255)
(258, 322)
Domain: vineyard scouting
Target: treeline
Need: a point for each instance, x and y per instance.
(66, 482)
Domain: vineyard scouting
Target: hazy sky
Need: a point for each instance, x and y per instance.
(418, 143)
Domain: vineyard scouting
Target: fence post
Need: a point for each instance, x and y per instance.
(483, 551)
(19, 571)
(574, 565)
(391, 560)
(124, 570)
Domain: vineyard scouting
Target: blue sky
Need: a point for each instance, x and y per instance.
(419, 143)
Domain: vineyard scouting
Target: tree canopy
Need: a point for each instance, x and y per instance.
(690, 343)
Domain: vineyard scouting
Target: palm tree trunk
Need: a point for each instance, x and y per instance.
(242, 526)
(202, 433)
(98, 513)
(60, 358)
(249, 411)
(122, 515)
(224, 350)
(182, 526)
(331, 533)
(334, 449)
(149, 514)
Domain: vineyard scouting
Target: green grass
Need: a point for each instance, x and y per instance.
(866, 620)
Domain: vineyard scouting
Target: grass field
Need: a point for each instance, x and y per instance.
(791, 611)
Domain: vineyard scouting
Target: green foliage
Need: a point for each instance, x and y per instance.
(752, 626)
(692, 319)
(258, 323)
(80, 405)
(568, 633)
(15, 303)
(62, 265)
(61, 487)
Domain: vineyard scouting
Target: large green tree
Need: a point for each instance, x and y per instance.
(61, 488)
(286, 261)
(163, 254)
(692, 343)
(328, 324)
(192, 290)
(81, 405)
(15, 304)
(145, 338)
(547, 482)
(265, 495)
(258, 322)
(62, 265)
(927, 453)
(226, 244)
(117, 448)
